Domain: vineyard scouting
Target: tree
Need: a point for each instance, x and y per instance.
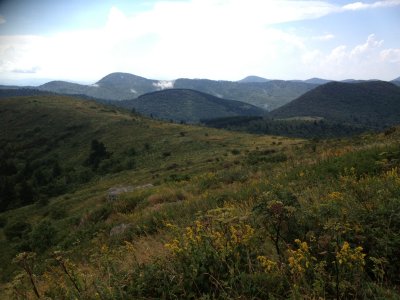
(26, 193)
(98, 152)
(7, 193)
(57, 171)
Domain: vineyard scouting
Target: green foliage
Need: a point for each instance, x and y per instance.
(210, 258)
(16, 229)
(43, 236)
(3, 221)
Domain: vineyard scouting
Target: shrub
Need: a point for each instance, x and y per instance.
(42, 236)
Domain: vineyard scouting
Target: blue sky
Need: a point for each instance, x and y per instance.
(84, 40)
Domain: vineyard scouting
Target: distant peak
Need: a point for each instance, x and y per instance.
(120, 76)
(253, 78)
(316, 80)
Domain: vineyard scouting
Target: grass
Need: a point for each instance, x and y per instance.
(231, 184)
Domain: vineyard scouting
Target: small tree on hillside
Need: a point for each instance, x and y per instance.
(98, 152)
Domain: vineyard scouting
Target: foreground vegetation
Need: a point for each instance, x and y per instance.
(228, 215)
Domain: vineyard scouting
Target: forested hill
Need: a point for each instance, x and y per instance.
(189, 106)
(373, 104)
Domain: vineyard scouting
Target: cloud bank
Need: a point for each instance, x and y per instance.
(224, 39)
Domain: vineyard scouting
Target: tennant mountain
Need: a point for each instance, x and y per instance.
(189, 106)
(371, 103)
(115, 86)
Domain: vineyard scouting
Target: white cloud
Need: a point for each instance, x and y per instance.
(371, 43)
(32, 70)
(325, 37)
(225, 39)
(164, 84)
(200, 38)
(378, 4)
(390, 55)
(337, 55)
(364, 61)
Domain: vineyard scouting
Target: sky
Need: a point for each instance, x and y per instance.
(84, 40)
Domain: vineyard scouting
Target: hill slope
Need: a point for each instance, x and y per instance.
(374, 103)
(51, 166)
(178, 212)
(189, 106)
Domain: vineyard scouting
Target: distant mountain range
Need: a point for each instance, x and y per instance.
(366, 102)
(188, 106)
(264, 93)
(370, 103)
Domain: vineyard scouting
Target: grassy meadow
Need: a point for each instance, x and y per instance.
(208, 214)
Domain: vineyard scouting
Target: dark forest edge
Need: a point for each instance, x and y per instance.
(308, 128)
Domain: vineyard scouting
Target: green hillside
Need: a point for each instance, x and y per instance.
(189, 106)
(375, 104)
(167, 211)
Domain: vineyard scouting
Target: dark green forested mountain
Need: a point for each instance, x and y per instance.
(375, 104)
(189, 106)
(333, 109)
